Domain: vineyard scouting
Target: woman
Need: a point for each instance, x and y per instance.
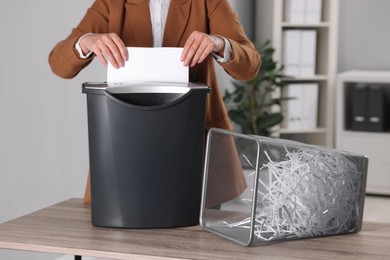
(208, 30)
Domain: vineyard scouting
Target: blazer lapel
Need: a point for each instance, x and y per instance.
(176, 23)
(138, 13)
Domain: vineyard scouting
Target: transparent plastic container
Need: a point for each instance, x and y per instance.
(258, 189)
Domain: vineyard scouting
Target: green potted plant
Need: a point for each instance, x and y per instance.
(249, 104)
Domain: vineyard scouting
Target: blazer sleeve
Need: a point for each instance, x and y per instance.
(246, 60)
(64, 59)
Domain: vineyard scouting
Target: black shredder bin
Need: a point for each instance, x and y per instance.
(146, 149)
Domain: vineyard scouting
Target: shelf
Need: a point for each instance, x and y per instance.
(371, 76)
(302, 131)
(312, 78)
(273, 13)
(303, 25)
(365, 134)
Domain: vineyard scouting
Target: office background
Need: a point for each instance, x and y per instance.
(43, 128)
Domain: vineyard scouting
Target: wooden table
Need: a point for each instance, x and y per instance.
(65, 228)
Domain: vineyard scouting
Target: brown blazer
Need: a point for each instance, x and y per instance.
(130, 19)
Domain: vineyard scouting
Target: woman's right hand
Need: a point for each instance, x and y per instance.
(108, 47)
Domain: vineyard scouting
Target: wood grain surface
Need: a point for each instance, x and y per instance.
(65, 228)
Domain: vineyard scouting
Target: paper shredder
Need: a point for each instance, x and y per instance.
(146, 151)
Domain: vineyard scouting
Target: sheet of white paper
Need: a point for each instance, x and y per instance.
(150, 65)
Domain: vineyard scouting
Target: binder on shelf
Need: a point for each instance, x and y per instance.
(303, 11)
(376, 108)
(301, 112)
(294, 11)
(313, 11)
(292, 108)
(308, 52)
(291, 51)
(310, 105)
(359, 107)
(299, 52)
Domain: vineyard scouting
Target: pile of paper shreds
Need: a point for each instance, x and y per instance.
(307, 193)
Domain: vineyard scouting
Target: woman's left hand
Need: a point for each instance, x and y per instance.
(198, 46)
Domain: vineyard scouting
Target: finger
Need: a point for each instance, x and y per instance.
(203, 51)
(187, 47)
(99, 54)
(190, 55)
(121, 47)
(205, 54)
(192, 49)
(107, 54)
(101, 58)
(113, 54)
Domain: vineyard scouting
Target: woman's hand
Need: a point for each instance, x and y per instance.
(199, 45)
(108, 47)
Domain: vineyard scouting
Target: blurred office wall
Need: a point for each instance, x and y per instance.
(364, 35)
(43, 134)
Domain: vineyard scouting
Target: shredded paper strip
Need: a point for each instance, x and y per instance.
(307, 193)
